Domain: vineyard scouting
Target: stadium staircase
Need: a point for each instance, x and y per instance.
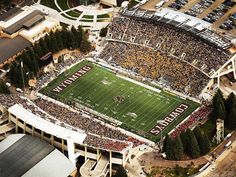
(92, 168)
(5, 126)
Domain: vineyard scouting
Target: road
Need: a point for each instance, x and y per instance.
(227, 167)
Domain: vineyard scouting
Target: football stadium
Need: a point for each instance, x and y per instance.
(154, 73)
(144, 110)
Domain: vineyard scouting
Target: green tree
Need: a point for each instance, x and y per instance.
(43, 46)
(121, 172)
(193, 149)
(65, 38)
(3, 88)
(58, 35)
(6, 2)
(165, 142)
(232, 119)
(35, 65)
(38, 50)
(168, 148)
(131, 4)
(103, 32)
(177, 148)
(80, 35)
(230, 102)
(85, 45)
(206, 144)
(26, 59)
(75, 43)
(219, 110)
(12, 74)
(54, 45)
(203, 143)
(184, 140)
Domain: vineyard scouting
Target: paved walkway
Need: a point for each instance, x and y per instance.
(76, 21)
(153, 159)
(135, 168)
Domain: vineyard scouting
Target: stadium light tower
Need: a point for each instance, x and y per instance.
(22, 75)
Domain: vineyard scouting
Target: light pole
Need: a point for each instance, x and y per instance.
(22, 75)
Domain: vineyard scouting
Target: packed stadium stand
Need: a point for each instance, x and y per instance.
(178, 51)
(156, 65)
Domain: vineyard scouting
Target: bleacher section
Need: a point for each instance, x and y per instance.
(167, 70)
(194, 52)
(171, 40)
(182, 21)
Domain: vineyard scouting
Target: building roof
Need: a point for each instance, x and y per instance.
(24, 155)
(10, 14)
(28, 19)
(33, 20)
(53, 165)
(10, 47)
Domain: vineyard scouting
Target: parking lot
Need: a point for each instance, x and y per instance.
(221, 13)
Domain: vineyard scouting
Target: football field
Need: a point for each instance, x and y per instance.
(138, 108)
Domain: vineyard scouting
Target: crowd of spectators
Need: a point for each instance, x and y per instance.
(168, 39)
(195, 118)
(59, 67)
(89, 125)
(165, 69)
(98, 134)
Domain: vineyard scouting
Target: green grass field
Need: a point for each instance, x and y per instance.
(138, 108)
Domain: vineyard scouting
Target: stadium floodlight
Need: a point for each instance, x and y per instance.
(22, 67)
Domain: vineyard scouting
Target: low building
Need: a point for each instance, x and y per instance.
(21, 28)
(10, 48)
(27, 22)
(27, 156)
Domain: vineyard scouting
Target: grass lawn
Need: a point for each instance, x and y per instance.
(137, 107)
(88, 17)
(49, 3)
(64, 25)
(74, 13)
(103, 16)
(85, 20)
(63, 4)
(103, 20)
